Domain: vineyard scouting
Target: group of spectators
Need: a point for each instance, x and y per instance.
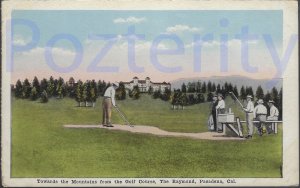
(258, 113)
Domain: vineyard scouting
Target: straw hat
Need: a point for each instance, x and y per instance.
(249, 96)
(260, 101)
(271, 101)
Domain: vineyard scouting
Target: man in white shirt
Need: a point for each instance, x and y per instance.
(220, 108)
(274, 113)
(108, 102)
(249, 116)
(260, 114)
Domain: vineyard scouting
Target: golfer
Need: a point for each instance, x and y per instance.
(260, 114)
(249, 116)
(220, 108)
(108, 102)
(274, 113)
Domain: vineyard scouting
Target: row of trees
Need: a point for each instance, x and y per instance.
(85, 93)
(58, 88)
(203, 87)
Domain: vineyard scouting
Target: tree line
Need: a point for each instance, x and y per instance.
(86, 93)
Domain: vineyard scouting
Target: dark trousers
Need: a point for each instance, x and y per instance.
(214, 114)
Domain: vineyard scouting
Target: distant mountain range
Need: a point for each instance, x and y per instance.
(239, 81)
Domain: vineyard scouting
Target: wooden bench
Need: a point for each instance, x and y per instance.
(239, 132)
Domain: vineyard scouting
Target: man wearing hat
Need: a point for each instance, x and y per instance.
(274, 113)
(108, 101)
(220, 108)
(260, 114)
(249, 116)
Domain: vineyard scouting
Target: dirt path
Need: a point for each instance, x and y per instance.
(156, 131)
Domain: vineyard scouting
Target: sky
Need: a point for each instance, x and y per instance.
(170, 30)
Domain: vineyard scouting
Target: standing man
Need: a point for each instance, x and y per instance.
(213, 110)
(220, 108)
(249, 116)
(274, 113)
(260, 114)
(108, 102)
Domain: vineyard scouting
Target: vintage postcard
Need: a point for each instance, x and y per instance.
(149, 93)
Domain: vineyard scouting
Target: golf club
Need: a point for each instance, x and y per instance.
(236, 99)
(123, 116)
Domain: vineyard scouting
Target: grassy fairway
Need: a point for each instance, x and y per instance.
(41, 147)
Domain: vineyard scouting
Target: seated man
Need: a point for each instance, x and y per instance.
(274, 113)
(260, 114)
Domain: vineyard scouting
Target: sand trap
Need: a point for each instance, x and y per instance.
(156, 131)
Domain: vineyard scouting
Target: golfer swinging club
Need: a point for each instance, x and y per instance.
(108, 101)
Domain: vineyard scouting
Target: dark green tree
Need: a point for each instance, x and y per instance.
(26, 89)
(243, 93)
(43, 84)
(183, 100)
(183, 88)
(274, 95)
(166, 94)
(203, 89)
(85, 96)
(213, 88)
(218, 88)
(198, 87)
(249, 91)
(191, 87)
(200, 98)
(36, 84)
(226, 89)
(191, 99)
(93, 94)
(175, 98)
(267, 98)
(209, 87)
(50, 87)
(230, 87)
(209, 97)
(44, 97)
(33, 94)
(235, 91)
(70, 87)
(135, 93)
(157, 94)
(259, 93)
(121, 92)
(18, 89)
(79, 92)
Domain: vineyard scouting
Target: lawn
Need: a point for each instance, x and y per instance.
(41, 147)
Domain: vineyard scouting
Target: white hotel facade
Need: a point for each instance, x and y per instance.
(145, 84)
